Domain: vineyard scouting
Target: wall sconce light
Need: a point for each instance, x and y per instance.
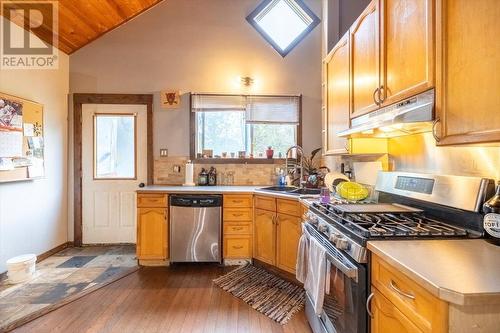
(247, 81)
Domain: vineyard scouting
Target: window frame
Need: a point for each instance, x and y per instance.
(94, 146)
(251, 20)
(193, 135)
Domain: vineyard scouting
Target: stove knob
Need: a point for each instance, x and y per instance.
(343, 244)
(333, 237)
(322, 228)
(312, 219)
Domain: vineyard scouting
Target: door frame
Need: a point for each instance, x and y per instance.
(78, 101)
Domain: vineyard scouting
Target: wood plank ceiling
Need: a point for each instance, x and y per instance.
(83, 21)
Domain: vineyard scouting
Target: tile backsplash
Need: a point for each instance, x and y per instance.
(244, 174)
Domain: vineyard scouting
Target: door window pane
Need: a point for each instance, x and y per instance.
(114, 146)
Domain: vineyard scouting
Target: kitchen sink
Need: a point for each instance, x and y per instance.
(306, 191)
(279, 188)
(292, 190)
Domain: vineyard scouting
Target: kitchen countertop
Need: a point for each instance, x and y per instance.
(220, 190)
(463, 272)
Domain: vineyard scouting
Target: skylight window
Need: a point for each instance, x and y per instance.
(283, 23)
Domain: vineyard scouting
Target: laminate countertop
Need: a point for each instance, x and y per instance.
(463, 272)
(220, 190)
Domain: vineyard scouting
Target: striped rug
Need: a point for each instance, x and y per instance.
(270, 295)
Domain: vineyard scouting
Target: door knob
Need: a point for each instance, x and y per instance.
(142, 185)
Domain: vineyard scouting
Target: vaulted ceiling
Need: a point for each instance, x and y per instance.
(82, 21)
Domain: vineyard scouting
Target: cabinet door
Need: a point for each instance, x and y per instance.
(387, 318)
(264, 236)
(152, 233)
(288, 230)
(365, 61)
(407, 48)
(337, 97)
(468, 66)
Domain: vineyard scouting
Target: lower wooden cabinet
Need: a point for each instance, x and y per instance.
(237, 226)
(265, 236)
(276, 234)
(288, 232)
(152, 230)
(386, 318)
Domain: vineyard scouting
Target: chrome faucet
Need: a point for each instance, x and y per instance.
(301, 168)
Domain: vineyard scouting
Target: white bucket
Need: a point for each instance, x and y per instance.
(21, 268)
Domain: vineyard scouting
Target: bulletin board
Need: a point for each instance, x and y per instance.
(21, 139)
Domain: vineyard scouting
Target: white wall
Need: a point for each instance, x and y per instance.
(33, 215)
(199, 46)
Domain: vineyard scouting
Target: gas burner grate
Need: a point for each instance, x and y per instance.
(373, 225)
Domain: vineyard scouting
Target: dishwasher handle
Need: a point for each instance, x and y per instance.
(196, 200)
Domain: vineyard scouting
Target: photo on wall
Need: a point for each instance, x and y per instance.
(11, 115)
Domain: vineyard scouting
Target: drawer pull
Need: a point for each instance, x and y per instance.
(237, 247)
(399, 291)
(237, 228)
(237, 201)
(237, 214)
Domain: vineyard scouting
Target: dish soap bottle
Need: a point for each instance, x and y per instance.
(491, 223)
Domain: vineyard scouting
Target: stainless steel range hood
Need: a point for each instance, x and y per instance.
(411, 116)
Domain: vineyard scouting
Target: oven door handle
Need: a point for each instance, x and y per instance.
(350, 272)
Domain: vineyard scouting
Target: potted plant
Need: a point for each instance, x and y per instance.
(312, 169)
(269, 152)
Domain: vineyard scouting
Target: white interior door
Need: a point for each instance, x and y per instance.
(114, 162)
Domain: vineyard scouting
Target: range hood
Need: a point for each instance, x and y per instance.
(411, 116)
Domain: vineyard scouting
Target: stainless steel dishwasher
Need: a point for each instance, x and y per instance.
(195, 228)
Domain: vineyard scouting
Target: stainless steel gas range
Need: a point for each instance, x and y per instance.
(409, 206)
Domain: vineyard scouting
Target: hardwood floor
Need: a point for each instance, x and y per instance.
(181, 298)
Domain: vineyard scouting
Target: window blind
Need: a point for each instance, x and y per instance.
(272, 109)
(216, 103)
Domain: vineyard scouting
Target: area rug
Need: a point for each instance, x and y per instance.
(63, 278)
(265, 292)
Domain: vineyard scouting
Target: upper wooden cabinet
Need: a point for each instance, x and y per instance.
(337, 97)
(468, 67)
(365, 61)
(407, 49)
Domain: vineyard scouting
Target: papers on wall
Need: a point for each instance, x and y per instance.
(11, 144)
(29, 129)
(36, 169)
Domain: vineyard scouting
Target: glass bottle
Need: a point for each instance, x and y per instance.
(491, 223)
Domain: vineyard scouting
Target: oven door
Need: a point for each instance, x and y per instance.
(345, 297)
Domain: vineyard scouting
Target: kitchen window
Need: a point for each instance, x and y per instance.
(229, 125)
(283, 23)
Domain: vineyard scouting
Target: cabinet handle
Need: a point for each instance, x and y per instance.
(381, 93)
(368, 307)
(375, 94)
(237, 201)
(434, 133)
(274, 220)
(237, 214)
(237, 247)
(237, 228)
(399, 291)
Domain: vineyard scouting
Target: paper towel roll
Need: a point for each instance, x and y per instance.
(189, 174)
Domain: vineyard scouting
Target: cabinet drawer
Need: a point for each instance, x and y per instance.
(289, 207)
(151, 200)
(425, 310)
(235, 228)
(237, 214)
(266, 203)
(238, 201)
(237, 247)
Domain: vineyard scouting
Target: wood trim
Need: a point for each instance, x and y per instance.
(78, 101)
